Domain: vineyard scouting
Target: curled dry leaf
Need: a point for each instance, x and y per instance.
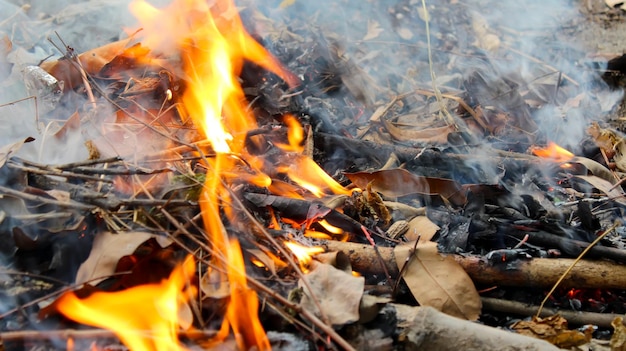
(615, 193)
(213, 285)
(339, 294)
(373, 30)
(407, 211)
(595, 168)
(107, 250)
(5, 47)
(620, 155)
(404, 33)
(400, 182)
(8, 150)
(436, 135)
(421, 227)
(92, 62)
(268, 260)
(554, 330)
(604, 138)
(438, 281)
(615, 4)
(618, 340)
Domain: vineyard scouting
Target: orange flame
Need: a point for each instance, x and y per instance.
(213, 46)
(303, 253)
(144, 317)
(553, 152)
(248, 331)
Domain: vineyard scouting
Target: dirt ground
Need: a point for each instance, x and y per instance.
(601, 29)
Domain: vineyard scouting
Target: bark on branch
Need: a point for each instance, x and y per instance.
(537, 272)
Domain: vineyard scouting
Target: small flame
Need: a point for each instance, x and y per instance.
(331, 228)
(553, 152)
(310, 176)
(303, 253)
(213, 47)
(145, 317)
(295, 135)
(241, 314)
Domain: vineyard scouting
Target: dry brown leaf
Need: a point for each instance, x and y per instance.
(92, 62)
(337, 259)
(400, 182)
(620, 155)
(339, 294)
(421, 227)
(8, 150)
(595, 168)
(436, 135)
(269, 262)
(213, 285)
(618, 340)
(106, 251)
(615, 4)
(5, 47)
(615, 193)
(404, 33)
(604, 138)
(373, 30)
(485, 37)
(407, 211)
(438, 281)
(286, 3)
(554, 330)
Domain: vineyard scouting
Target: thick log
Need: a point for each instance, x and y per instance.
(537, 272)
(429, 329)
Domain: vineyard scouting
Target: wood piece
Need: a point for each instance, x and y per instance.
(575, 318)
(429, 329)
(537, 272)
(569, 246)
(64, 334)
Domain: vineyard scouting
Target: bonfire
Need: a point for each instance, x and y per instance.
(214, 179)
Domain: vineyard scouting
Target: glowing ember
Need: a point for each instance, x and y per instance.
(553, 152)
(145, 317)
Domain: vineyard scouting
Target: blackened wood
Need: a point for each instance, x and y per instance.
(568, 246)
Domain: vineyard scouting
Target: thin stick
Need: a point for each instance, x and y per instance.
(88, 334)
(30, 197)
